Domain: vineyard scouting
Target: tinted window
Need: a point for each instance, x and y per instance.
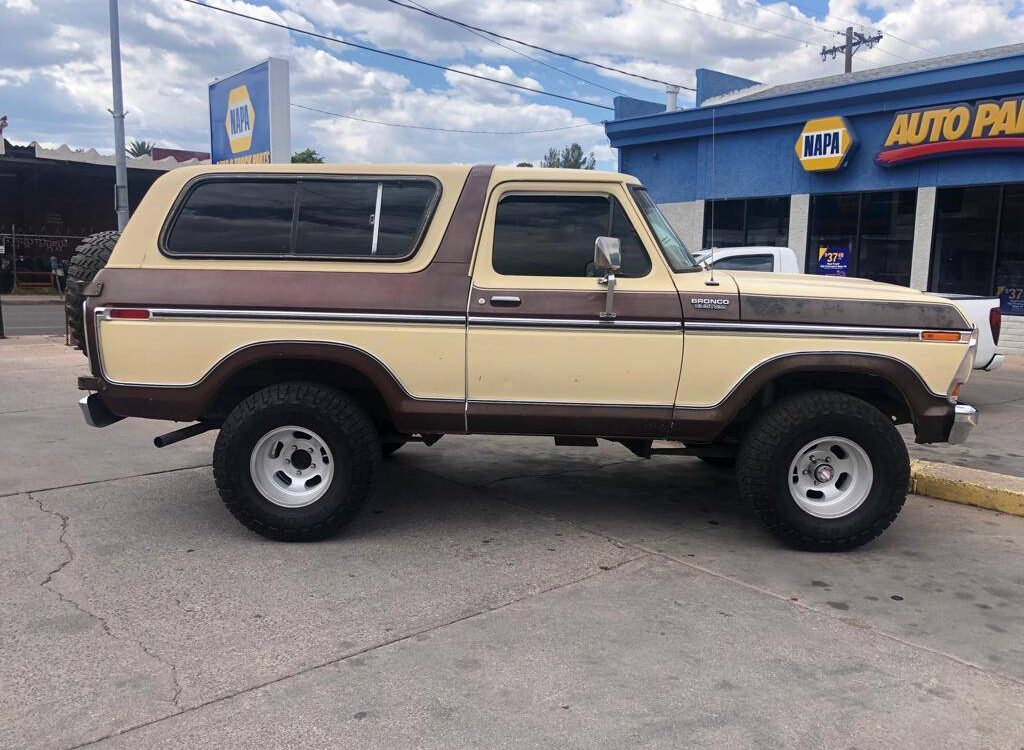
(747, 221)
(553, 235)
(235, 217)
(336, 218)
(403, 210)
(965, 239)
(747, 263)
(876, 231)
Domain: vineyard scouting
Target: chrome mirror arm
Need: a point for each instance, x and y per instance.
(609, 300)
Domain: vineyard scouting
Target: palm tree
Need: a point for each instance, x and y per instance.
(140, 148)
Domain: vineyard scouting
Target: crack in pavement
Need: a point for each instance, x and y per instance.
(366, 649)
(68, 558)
(101, 481)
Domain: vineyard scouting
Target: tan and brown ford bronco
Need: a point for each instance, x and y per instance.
(321, 316)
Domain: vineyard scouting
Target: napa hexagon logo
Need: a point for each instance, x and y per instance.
(825, 144)
(240, 119)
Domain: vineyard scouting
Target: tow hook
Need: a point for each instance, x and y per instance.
(176, 436)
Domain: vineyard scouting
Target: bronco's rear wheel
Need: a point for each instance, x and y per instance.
(296, 461)
(825, 471)
(89, 258)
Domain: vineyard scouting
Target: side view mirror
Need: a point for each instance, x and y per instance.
(607, 260)
(607, 255)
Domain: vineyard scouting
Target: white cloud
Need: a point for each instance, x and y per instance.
(54, 64)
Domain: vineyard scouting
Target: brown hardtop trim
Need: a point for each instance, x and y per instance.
(567, 304)
(764, 308)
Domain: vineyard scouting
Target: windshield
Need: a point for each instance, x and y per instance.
(673, 248)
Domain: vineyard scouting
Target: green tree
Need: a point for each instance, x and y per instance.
(570, 157)
(140, 148)
(307, 156)
(524, 164)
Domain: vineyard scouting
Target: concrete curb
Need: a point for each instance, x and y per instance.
(958, 484)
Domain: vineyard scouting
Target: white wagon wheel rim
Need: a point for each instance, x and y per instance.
(830, 477)
(291, 466)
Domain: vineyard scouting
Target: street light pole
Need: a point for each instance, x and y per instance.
(121, 169)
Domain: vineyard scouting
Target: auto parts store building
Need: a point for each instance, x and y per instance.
(911, 174)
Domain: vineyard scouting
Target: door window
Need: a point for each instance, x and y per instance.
(553, 235)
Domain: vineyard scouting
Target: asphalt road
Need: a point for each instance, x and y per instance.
(28, 320)
(498, 593)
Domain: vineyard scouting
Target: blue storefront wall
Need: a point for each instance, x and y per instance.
(751, 153)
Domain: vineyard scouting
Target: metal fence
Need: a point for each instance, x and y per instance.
(35, 262)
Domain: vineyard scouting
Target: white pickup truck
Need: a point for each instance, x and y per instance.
(982, 311)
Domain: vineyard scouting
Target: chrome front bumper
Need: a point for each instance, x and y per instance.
(965, 419)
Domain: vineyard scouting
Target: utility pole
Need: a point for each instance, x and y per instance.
(121, 168)
(854, 41)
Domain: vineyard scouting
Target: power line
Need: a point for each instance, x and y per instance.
(788, 17)
(397, 56)
(440, 130)
(515, 51)
(736, 23)
(814, 14)
(536, 46)
(759, 29)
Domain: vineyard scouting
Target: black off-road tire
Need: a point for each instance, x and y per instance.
(389, 447)
(89, 258)
(342, 424)
(772, 443)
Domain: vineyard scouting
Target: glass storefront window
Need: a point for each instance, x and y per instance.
(873, 232)
(979, 243)
(964, 241)
(747, 221)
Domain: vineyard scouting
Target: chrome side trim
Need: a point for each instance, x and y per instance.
(570, 323)
(594, 404)
(800, 329)
(179, 313)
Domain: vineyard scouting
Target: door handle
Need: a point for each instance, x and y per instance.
(499, 301)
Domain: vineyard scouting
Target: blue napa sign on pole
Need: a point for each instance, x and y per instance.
(250, 121)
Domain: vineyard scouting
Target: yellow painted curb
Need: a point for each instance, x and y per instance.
(984, 489)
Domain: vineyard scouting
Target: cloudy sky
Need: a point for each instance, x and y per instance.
(55, 64)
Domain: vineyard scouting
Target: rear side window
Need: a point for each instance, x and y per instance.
(306, 218)
(553, 235)
(235, 217)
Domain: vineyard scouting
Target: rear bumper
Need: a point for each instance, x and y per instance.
(993, 364)
(965, 419)
(95, 412)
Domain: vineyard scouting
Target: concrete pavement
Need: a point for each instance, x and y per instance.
(497, 593)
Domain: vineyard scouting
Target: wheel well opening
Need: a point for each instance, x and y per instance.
(874, 389)
(255, 377)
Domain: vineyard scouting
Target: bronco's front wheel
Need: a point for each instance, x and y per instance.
(296, 461)
(825, 471)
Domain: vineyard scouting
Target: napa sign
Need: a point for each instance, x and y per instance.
(917, 134)
(249, 116)
(824, 145)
